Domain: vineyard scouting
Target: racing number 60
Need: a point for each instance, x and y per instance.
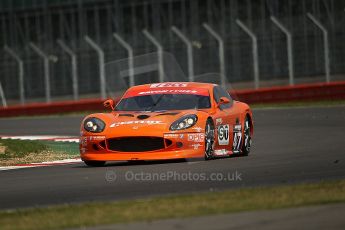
(223, 135)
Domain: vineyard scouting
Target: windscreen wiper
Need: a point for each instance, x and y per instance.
(156, 103)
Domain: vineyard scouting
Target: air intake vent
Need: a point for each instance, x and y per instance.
(143, 116)
(126, 115)
(135, 144)
(167, 114)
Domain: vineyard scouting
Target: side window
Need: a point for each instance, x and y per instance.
(219, 92)
(216, 94)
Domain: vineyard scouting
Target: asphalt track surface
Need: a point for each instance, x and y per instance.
(290, 146)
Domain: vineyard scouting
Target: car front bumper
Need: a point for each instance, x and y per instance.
(181, 145)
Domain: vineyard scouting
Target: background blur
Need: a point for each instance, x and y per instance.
(41, 23)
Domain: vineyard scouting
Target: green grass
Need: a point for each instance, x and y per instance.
(182, 206)
(18, 148)
(70, 148)
(13, 152)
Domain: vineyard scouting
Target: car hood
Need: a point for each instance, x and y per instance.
(144, 118)
(141, 123)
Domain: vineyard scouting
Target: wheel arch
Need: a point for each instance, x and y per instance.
(251, 123)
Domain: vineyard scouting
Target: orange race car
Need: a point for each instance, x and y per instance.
(167, 121)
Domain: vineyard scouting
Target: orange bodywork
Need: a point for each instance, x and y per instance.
(143, 135)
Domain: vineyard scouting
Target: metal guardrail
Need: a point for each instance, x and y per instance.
(242, 48)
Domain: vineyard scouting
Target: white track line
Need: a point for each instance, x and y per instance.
(42, 164)
(44, 138)
(14, 167)
(65, 161)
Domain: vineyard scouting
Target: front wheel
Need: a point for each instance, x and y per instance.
(95, 163)
(247, 140)
(209, 139)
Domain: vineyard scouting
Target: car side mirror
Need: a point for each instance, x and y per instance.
(109, 104)
(223, 100)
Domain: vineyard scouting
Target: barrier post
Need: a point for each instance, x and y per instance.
(325, 45)
(220, 52)
(45, 58)
(189, 52)
(129, 49)
(289, 48)
(20, 73)
(2, 95)
(255, 51)
(101, 63)
(73, 56)
(159, 52)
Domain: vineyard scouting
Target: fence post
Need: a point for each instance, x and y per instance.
(255, 51)
(101, 63)
(2, 95)
(73, 56)
(160, 54)
(325, 45)
(189, 52)
(20, 73)
(45, 58)
(221, 53)
(129, 49)
(289, 48)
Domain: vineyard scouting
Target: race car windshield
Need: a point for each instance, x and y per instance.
(159, 102)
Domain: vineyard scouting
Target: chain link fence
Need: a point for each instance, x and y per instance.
(44, 22)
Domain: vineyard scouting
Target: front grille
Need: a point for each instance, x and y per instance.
(136, 144)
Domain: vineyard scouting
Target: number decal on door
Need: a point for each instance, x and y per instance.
(237, 138)
(223, 134)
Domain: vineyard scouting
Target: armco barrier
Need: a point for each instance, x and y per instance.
(305, 92)
(52, 108)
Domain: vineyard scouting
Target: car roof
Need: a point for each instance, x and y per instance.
(174, 85)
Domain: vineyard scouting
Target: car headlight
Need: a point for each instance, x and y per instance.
(94, 125)
(184, 122)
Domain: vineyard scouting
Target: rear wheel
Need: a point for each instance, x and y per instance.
(209, 139)
(95, 163)
(247, 140)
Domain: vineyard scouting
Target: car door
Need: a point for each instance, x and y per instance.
(225, 120)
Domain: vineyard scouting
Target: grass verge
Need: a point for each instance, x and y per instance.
(182, 206)
(14, 152)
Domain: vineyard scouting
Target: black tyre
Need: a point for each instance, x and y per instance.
(95, 163)
(247, 140)
(209, 139)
